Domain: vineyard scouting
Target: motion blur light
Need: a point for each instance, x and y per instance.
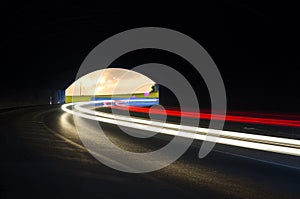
(245, 140)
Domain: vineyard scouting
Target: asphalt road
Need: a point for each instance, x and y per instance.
(42, 157)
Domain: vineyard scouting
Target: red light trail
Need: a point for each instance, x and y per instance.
(255, 118)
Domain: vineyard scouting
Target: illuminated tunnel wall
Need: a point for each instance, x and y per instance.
(112, 83)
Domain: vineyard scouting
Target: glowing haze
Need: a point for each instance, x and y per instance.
(110, 81)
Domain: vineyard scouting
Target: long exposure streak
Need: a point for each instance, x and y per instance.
(208, 116)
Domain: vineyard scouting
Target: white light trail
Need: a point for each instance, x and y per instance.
(245, 140)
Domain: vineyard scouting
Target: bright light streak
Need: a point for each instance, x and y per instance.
(231, 118)
(245, 140)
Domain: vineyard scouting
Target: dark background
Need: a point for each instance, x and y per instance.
(255, 46)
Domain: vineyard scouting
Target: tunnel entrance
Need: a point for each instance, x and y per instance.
(112, 83)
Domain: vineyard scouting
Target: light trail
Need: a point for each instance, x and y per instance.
(245, 140)
(230, 118)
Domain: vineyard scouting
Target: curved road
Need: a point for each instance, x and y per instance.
(42, 157)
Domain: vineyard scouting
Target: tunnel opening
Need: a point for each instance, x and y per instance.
(113, 83)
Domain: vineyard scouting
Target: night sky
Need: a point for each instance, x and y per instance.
(255, 46)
